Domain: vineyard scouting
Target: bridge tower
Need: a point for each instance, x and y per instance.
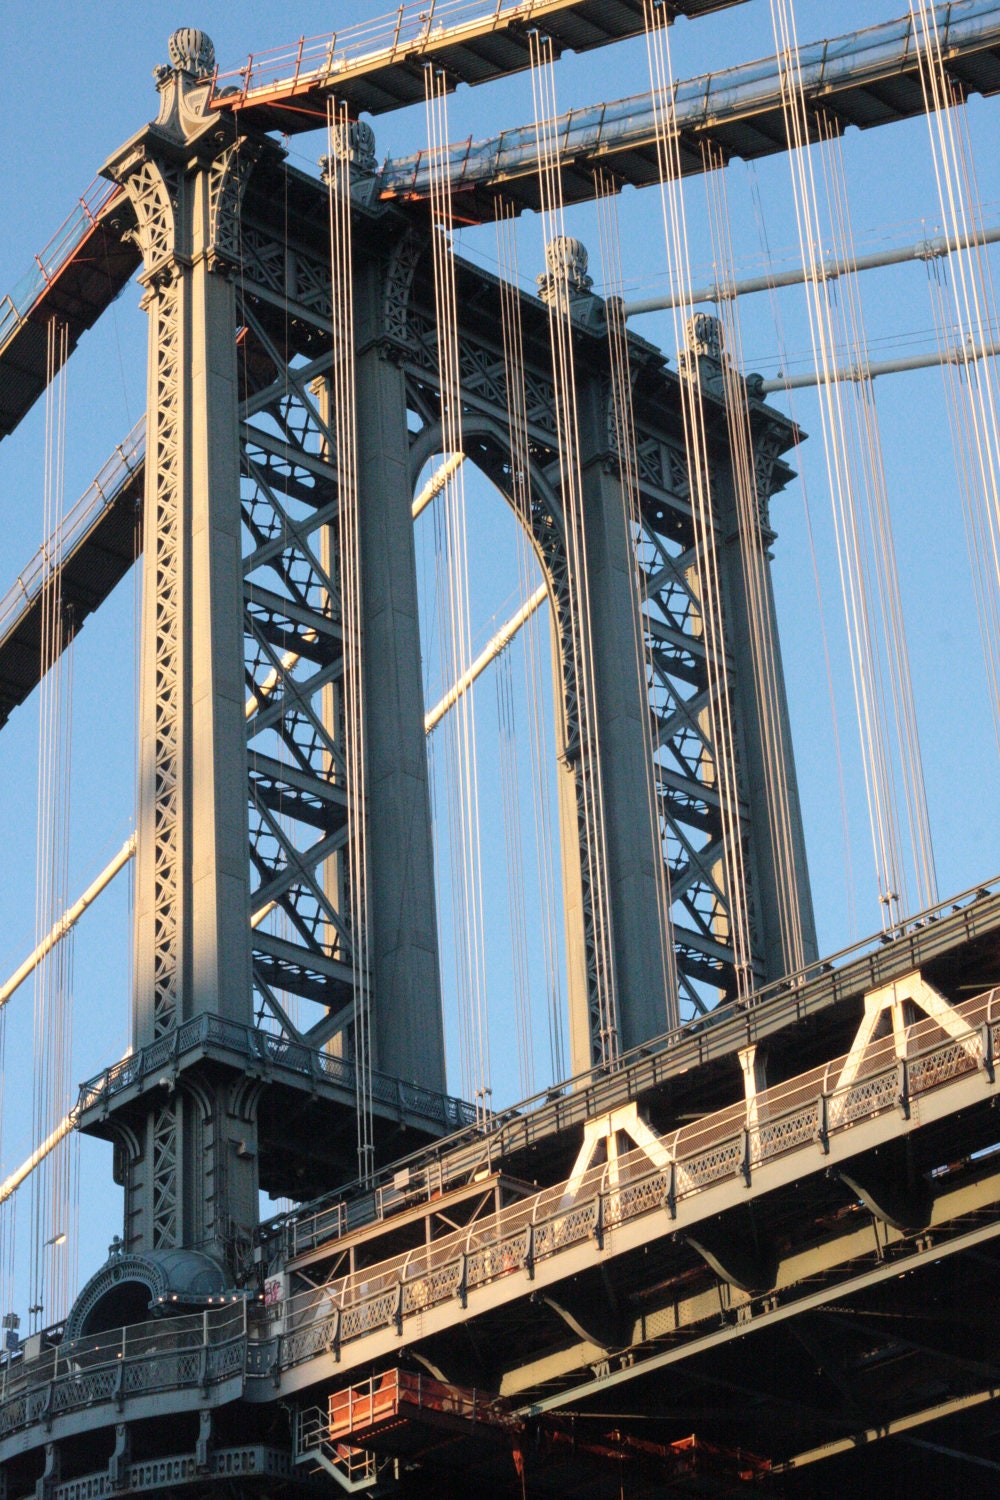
(241, 574)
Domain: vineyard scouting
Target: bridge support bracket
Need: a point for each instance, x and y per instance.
(121, 1457)
(887, 1187)
(333, 1344)
(45, 1486)
(528, 1263)
(203, 1445)
(670, 1196)
(598, 1230)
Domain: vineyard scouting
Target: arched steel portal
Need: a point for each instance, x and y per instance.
(676, 682)
(645, 1007)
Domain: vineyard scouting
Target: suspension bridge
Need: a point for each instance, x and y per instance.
(735, 1226)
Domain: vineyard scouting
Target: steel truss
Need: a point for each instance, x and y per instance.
(294, 663)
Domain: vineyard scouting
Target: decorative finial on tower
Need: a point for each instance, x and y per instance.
(185, 87)
(703, 336)
(355, 144)
(701, 358)
(192, 52)
(565, 270)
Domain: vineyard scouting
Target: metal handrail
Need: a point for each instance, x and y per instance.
(15, 307)
(203, 1348)
(403, 31)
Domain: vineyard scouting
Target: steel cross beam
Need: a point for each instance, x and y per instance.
(293, 642)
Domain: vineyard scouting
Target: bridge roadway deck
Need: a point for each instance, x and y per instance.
(97, 543)
(374, 68)
(558, 1296)
(806, 1018)
(864, 78)
(810, 1125)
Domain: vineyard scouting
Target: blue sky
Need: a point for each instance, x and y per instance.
(76, 82)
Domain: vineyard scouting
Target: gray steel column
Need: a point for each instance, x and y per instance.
(184, 1182)
(768, 942)
(408, 1029)
(644, 1010)
(630, 846)
(704, 357)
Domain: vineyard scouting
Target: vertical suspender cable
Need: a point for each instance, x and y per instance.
(604, 1000)
(464, 829)
(520, 450)
(864, 542)
(756, 582)
(731, 916)
(883, 579)
(344, 402)
(511, 801)
(624, 421)
(979, 510)
(52, 1189)
(972, 384)
(761, 222)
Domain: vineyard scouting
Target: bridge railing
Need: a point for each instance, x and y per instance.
(77, 521)
(205, 1348)
(804, 1111)
(313, 61)
(15, 307)
(253, 1047)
